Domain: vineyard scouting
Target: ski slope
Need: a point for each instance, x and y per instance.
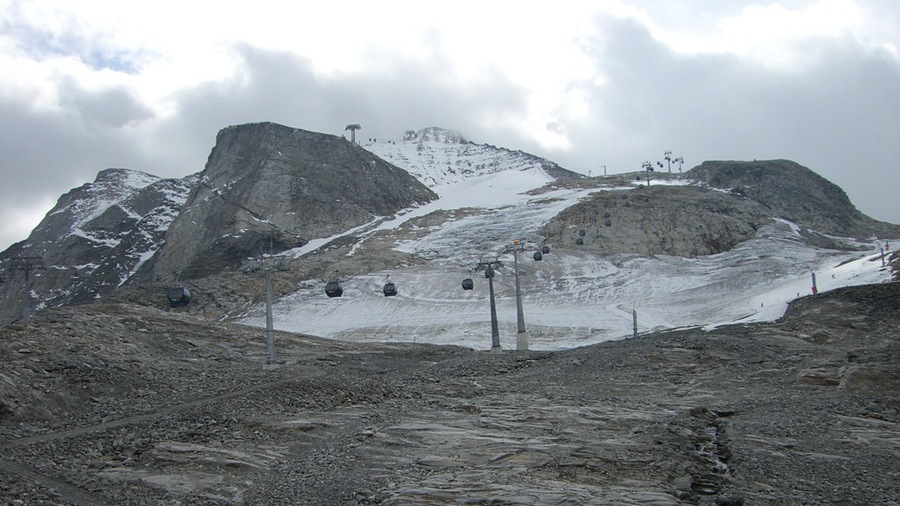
(570, 298)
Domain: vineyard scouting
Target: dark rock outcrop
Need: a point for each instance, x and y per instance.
(794, 193)
(669, 220)
(268, 187)
(733, 201)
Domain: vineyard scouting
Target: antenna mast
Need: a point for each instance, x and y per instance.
(353, 127)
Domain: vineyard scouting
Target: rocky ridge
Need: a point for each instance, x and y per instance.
(793, 193)
(94, 240)
(712, 208)
(268, 188)
(437, 156)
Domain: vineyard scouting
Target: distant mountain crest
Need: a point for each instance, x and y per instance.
(438, 157)
(440, 135)
(794, 193)
(80, 206)
(95, 239)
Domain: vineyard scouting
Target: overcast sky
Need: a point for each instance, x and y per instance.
(90, 85)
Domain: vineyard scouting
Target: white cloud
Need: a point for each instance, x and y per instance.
(778, 35)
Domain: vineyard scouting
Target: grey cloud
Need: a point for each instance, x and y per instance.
(837, 117)
(44, 153)
(97, 130)
(108, 108)
(279, 87)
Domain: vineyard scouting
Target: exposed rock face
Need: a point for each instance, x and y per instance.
(669, 220)
(794, 193)
(92, 241)
(267, 185)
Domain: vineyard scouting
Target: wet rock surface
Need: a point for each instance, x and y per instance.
(126, 405)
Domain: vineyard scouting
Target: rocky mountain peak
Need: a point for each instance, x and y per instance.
(686, 221)
(124, 177)
(80, 205)
(437, 157)
(86, 211)
(440, 135)
(93, 240)
(271, 187)
(794, 193)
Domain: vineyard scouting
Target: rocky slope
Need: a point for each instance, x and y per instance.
(125, 405)
(794, 193)
(95, 238)
(267, 187)
(712, 208)
(685, 221)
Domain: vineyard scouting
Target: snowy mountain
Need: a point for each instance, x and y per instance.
(440, 157)
(265, 187)
(696, 249)
(94, 240)
(576, 294)
(571, 297)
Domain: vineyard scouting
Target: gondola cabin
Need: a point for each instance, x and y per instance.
(178, 296)
(333, 289)
(390, 289)
(468, 284)
(538, 256)
(545, 249)
(579, 241)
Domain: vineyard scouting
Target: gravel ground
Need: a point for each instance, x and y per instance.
(116, 404)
